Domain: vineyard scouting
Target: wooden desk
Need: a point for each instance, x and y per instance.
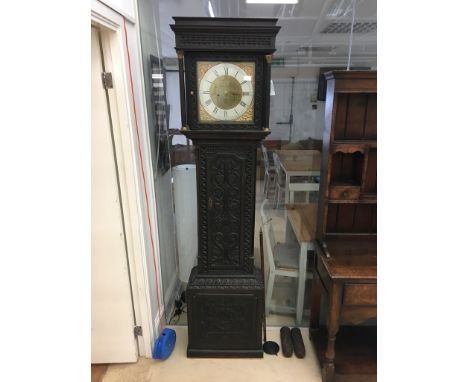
(348, 279)
(298, 163)
(302, 220)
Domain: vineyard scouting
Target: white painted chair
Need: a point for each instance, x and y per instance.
(301, 184)
(283, 260)
(302, 187)
(279, 181)
(269, 172)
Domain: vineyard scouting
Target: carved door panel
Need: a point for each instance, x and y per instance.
(227, 203)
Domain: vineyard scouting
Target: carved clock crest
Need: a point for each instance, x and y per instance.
(224, 72)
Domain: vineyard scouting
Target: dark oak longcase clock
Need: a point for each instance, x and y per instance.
(224, 67)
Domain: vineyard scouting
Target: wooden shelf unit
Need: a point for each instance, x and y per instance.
(345, 266)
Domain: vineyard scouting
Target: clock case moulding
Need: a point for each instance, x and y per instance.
(225, 292)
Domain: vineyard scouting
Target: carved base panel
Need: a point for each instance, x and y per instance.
(225, 316)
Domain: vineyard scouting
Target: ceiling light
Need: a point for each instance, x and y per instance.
(340, 8)
(271, 1)
(210, 9)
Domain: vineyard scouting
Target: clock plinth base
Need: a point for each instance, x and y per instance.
(225, 316)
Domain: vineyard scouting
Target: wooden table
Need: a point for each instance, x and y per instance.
(298, 163)
(347, 276)
(302, 219)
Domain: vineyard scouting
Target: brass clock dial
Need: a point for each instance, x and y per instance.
(225, 91)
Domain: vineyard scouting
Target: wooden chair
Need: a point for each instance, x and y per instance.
(269, 173)
(283, 260)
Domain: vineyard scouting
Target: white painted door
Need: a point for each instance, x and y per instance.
(112, 315)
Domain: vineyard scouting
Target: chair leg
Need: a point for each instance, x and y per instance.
(266, 178)
(277, 196)
(269, 293)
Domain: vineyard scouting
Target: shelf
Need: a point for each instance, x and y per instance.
(358, 142)
(351, 201)
(346, 169)
(345, 183)
(355, 347)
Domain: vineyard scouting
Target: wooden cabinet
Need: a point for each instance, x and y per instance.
(345, 269)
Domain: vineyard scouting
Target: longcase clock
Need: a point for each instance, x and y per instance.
(224, 67)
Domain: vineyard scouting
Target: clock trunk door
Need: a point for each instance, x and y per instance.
(227, 204)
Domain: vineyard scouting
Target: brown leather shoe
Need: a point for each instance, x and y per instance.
(298, 343)
(286, 341)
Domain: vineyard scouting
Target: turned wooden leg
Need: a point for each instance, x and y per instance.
(315, 298)
(328, 370)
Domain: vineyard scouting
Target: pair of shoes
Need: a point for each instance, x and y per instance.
(292, 339)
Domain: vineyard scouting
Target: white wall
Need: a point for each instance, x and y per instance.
(307, 122)
(148, 13)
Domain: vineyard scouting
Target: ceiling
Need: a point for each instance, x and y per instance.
(314, 33)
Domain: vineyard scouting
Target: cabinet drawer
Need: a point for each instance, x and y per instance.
(360, 294)
(344, 192)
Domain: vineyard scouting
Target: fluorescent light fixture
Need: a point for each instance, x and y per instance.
(210, 9)
(339, 9)
(157, 76)
(271, 1)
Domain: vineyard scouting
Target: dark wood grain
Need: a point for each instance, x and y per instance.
(225, 292)
(355, 349)
(371, 117)
(360, 294)
(356, 116)
(345, 266)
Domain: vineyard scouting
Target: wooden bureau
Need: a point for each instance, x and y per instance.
(345, 264)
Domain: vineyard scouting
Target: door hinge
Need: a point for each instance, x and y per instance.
(107, 81)
(137, 331)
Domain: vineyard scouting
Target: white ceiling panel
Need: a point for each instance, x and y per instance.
(300, 39)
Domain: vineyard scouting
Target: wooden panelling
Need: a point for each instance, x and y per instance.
(363, 219)
(360, 294)
(352, 218)
(357, 314)
(331, 217)
(345, 219)
(370, 131)
(341, 111)
(370, 181)
(356, 115)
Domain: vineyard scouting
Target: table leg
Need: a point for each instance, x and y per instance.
(328, 370)
(315, 299)
(286, 188)
(289, 232)
(301, 283)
